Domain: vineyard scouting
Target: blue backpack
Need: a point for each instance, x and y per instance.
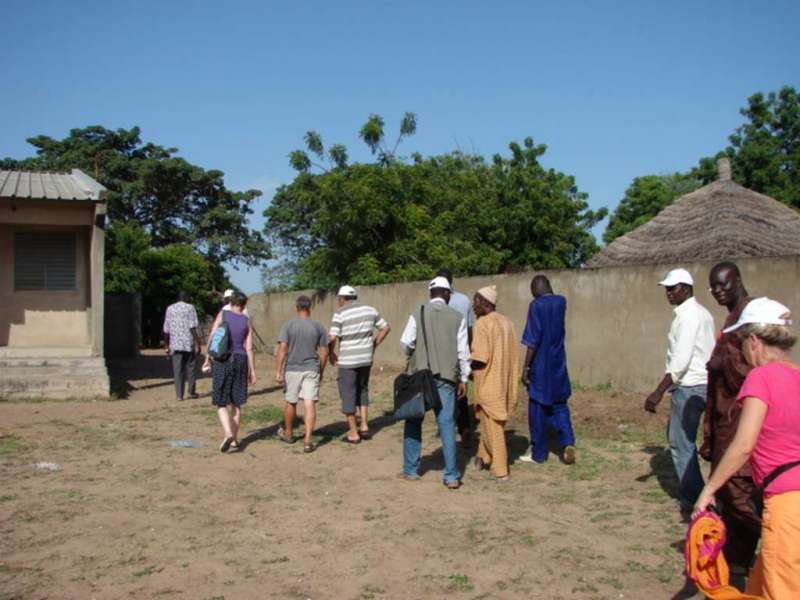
(219, 346)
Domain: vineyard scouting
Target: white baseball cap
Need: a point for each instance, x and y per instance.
(347, 291)
(762, 311)
(439, 283)
(227, 294)
(677, 276)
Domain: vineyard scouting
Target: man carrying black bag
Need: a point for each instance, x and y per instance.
(435, 338)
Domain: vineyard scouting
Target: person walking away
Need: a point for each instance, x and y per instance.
(545, 373)
(302, 355)
(447, 352)
(768, 437)
(231, 377)
(495, 369)
(464, 419)
(353, 326)
(183, 343)
(689, 345)
(727, 369)
(226, 302)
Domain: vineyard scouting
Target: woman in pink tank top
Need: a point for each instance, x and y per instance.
(768, 436)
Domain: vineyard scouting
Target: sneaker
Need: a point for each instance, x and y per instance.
(226, 443)
(569, 455)
(407, 477)
(526, 458)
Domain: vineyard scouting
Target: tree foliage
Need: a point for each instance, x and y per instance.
(644, 199)
(174, 201)
(764, 153)
(394, 220)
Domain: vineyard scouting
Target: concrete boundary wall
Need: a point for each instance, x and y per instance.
(617, 318)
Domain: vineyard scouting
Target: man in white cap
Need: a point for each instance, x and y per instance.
(689, 346)
(495, 369)
(443, 345)
(354, 325)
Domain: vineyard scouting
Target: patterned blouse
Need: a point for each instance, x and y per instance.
(181, 317)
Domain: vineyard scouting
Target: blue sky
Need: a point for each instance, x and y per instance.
(615, 90)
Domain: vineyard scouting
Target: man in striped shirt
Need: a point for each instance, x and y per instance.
(354, 325)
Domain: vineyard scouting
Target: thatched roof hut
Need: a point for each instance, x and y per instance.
(720, 221)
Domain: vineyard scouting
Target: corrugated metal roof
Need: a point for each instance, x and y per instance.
(76, 185)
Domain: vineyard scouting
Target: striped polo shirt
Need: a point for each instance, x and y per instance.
(354, 324)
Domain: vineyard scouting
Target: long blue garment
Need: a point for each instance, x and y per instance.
(555, 417)
(545, 331)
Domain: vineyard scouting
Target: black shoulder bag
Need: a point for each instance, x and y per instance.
(756, 499)
(416, 393)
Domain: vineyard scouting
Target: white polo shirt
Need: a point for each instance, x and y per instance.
(691, 341)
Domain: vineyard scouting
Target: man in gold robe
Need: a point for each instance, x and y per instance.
(495, 367)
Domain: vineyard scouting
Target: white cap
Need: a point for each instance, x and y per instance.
(764, 312)
(677, 276)
(347, 291)
(227, 294)
(439, 283)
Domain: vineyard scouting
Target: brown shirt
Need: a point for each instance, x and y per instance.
(494, 343)
(727, 370)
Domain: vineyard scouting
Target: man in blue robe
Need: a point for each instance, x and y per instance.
(545, 373)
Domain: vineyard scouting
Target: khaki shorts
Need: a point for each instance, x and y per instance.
(301, 385)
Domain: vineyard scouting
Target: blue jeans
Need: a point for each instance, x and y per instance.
(688, 404)
(412, 436)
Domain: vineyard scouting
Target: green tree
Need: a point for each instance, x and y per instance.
(394, 220)
(765, 156)
(167, 271)
(765, 150)
(174, 201)
(645, 198)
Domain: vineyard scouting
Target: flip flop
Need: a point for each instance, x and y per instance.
(365, 435)
(308, 448)
(235, 447)
(349, 441)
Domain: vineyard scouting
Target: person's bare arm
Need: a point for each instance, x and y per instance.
(754, 411)
(323, 360)
(280, 362)
(332, 358)
(198, 344)
(653, 399)
(382, 333)
(251, 360)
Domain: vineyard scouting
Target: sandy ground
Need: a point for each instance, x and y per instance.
(130, 516)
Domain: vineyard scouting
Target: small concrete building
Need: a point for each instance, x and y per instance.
(51, 285)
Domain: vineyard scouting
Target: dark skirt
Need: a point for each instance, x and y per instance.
(229, 381)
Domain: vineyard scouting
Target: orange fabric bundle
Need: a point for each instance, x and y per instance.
(705, 563)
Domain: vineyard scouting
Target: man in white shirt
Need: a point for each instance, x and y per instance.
(444, 346)
(690, 343)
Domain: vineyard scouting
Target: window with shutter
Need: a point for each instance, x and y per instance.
(44, 261)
